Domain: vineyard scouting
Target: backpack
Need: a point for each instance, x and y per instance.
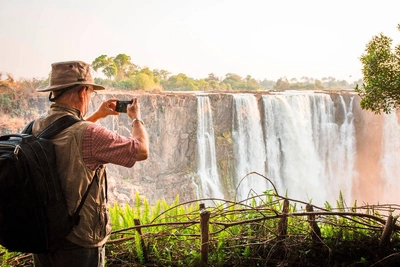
(33, 212)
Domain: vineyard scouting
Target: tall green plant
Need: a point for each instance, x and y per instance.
(380, 90)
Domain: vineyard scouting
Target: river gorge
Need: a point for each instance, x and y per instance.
(311, 145)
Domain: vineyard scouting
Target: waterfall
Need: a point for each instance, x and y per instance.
(308, 154)
(249, 148)
(288, 119)
(344, 158)
(207, 168)
(390, 157)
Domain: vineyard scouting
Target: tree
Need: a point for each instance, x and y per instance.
(107, 64)
(143, 81)
(282, 84)
(318, 84)
(180, 82)
(203, 85)
(305, 79)
(234, 80)
(251, 83)
(268, 84)
(380, 90)
(124, 66)
(212, 77)
(214, 84)
(164, 74)
(119, 67)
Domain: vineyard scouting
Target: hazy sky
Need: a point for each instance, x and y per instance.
(261, 38)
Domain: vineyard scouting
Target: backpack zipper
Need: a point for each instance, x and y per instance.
(16, 150)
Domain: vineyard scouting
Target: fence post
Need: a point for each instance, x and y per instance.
(387, 231)
(204, 237)
(136, 222)
(315, 231)
(282, 226)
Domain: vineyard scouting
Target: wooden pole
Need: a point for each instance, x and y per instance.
(387, 231)
(142, 245)
(204, 234)
(315, 231)
(283, 222)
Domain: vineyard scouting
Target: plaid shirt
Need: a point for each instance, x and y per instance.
(101, 146)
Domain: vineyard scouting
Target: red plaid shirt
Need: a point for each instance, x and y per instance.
(101, 146)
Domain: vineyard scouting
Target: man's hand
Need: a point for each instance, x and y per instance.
(106, 108)
(133, 109)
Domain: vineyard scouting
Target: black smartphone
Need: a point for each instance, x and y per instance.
(122, 105)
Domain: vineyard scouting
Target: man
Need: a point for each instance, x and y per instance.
(81, 151)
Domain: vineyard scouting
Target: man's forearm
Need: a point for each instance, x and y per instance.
(139, 132)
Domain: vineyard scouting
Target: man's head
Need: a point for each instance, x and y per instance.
(71, 83)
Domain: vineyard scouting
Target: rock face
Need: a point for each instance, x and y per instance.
(170, 169)
(171, 120)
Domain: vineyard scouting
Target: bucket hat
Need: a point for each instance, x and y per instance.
(68, 73)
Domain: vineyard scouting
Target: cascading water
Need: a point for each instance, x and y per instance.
(297, 143)
(308, 153)
(288, 118)
(344, 158)
(249, 149)
(207, 169)
(391, 157)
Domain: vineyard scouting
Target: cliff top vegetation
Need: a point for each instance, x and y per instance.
(122, 73)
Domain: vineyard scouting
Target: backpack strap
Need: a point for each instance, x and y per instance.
(57, 126)
(54, 128)
(76, 217)
(28, 128)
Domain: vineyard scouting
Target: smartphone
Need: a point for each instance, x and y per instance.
(122, 105)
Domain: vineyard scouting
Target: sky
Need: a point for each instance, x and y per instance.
(262, 38)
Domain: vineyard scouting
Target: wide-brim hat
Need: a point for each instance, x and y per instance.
(68, 73)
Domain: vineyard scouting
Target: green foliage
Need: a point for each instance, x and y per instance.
(121, 73)
(318, 84)
(127, 84)
(124, 66)
(310, 84)
(107, 64)
(5, 103)
(381, 70)
(143, 81)
(234, 81)
(162, 75)
(179, 82)
(119, 67)
(282, 84)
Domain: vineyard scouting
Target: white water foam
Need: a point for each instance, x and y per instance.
(207, 170)
(308, 153)
(390, 157)
(249, 148)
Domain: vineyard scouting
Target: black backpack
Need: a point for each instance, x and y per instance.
(33, 212)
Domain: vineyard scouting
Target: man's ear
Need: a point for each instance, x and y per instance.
(82, 92)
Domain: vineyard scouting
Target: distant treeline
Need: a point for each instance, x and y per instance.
(121, 73)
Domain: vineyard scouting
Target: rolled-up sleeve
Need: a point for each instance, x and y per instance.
(101, 146)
